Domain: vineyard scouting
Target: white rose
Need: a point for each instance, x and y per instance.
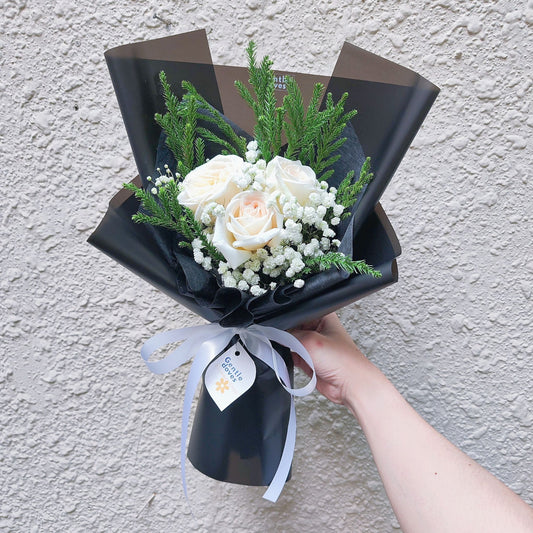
(291, 178)
(248, 224)
(214, 181)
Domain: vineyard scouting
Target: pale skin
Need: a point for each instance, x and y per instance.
(432, 485)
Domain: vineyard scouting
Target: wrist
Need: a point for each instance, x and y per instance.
(364, 386)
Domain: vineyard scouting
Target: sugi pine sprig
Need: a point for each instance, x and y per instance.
(302, 125)
(320, 152)
(340, 261)
(313, 136)
(186, 136)
(269, 117)
(161, 208)
(230, 142)
(348, 192)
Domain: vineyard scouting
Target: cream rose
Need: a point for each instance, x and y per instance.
(291, 178)
(248, 224)
(213, 181)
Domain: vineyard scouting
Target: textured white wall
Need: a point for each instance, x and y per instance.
(87, 434)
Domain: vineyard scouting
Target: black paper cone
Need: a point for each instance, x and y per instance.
(244, 442)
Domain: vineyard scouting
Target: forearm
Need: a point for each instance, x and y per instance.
(431, 484)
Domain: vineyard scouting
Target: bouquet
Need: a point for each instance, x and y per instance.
(255, 218)
(261, 214)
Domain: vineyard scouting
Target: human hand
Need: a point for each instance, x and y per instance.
(462, 497)
(337, 360)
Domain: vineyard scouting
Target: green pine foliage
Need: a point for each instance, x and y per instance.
(348, 192)
(185, 136)
(303, 125)
(269, 117)
(340, 261)
(312, 135)
(164, 210)
(320, 151)
(231, 143)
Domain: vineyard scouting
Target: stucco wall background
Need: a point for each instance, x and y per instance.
(88, 435)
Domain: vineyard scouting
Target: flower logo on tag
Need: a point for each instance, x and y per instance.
(222, 385)
(229, 376)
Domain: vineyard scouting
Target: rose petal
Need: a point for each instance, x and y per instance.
(254, 242)
(223, 241)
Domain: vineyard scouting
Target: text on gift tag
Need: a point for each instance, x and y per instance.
(229, 376)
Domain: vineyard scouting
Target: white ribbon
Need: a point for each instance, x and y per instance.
(204, 343)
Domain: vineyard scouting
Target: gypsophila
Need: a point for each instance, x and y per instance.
(268, 234)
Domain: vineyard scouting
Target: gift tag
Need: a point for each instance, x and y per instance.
(229, 376)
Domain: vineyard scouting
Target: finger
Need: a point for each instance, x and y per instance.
(310, 325)
(332, 327)
(330, 323)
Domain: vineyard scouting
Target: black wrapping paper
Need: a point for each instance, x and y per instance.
(243, 444)
(392, 102)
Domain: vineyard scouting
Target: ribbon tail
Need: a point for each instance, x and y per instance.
(189, 336)
(284, 467)
(264, 351)
(195, 375)
(267, 334)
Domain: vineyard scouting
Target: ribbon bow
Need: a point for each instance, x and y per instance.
(203, 344)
